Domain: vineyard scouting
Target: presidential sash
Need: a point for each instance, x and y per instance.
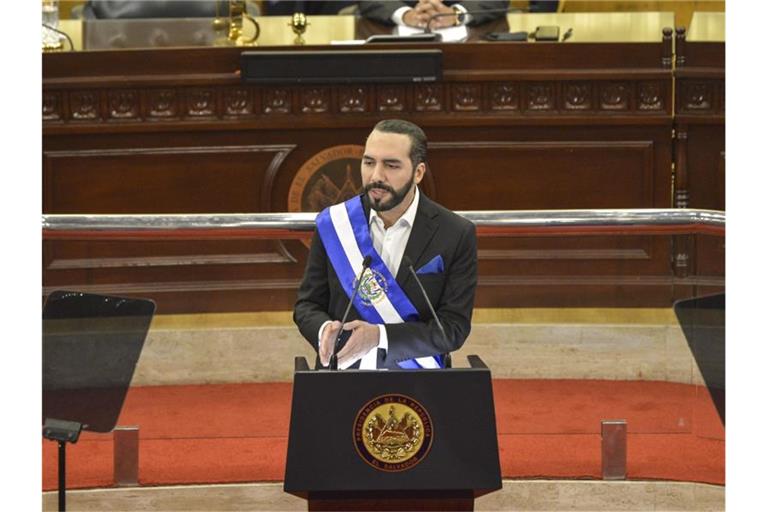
(344, 231)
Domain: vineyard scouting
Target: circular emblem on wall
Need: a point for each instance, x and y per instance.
(393, 433)
(329, 177)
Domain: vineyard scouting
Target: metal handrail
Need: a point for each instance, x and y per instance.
(283, 226)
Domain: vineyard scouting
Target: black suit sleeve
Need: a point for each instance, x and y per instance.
(453, 306)
(380, 11)
(481, 10)
(313, 301)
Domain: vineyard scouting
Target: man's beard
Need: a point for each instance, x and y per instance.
(397, 195)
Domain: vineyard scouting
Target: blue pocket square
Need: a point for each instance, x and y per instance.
(434, 266)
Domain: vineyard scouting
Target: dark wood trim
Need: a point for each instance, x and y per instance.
(169, 261)
(562, 254)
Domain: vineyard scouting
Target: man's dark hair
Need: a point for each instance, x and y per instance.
(415, 134)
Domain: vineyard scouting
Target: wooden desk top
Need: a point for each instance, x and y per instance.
(599, 27)
(707, 26)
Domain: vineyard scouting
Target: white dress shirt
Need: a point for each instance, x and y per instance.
(390, 244)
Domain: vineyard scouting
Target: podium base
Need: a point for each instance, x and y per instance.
(392, 500)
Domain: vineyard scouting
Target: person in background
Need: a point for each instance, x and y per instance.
(128, 9)
(418, 13)
(288, 7)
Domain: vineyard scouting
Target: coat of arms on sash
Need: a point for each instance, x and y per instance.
(373, 287)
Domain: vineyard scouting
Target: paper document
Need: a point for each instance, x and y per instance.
(450, 34)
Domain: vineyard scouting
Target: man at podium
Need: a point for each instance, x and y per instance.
(377, 248)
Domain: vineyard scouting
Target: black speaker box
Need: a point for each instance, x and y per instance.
(346, 66)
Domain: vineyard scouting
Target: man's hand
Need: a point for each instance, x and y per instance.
(364, 337)
(325, 350)
(420, 15)
(417, 16)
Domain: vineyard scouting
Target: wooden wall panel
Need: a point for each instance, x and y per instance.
(543, 175)
(705, 166)
(196, 179)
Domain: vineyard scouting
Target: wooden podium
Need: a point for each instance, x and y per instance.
(392, 440)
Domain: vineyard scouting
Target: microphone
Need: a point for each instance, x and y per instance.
(409, 263)
(334, 363)
(460, 16)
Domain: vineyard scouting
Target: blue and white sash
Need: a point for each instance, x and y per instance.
(344, 231)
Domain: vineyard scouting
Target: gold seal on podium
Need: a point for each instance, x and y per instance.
(393, 433)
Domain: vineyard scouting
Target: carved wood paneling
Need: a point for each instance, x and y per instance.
(698, 96)
(162, 104)
(353, 99)
(180, 104)
(466, 97)
(123, 104)
(315, 100)
(277, 100)
(84, 105)
(391, 98)
(615, 96)
(238, 102)
(505, 96)
(52, 106)
(577, 96)
(201, 102)
(429, 98)
(541, 97)
(651, 96)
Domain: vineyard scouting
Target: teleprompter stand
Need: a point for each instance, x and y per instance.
(392, 440)
(91, 344)
(62, 432)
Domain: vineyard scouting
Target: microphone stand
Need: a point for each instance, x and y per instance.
(408, 262)
(429, 303)
(334, 362)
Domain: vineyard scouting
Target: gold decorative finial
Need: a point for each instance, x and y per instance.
(299, 25)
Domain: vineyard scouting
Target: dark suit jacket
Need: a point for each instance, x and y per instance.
(382, 11)
(436, 231)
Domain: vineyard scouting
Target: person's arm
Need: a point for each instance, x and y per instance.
(380, 12)
(480, 10)
(312, 306)
(454, 307)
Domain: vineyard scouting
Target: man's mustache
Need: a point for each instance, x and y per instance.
(378, 185)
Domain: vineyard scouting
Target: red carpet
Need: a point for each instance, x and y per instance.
(547, 429)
